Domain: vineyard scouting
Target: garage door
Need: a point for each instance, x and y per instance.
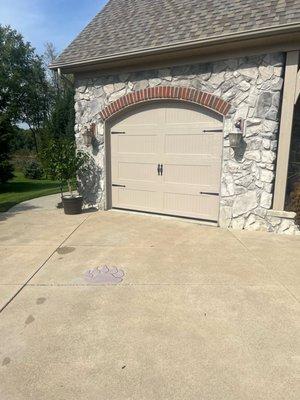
(166, 158)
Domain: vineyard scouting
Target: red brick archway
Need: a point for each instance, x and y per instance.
(204, 99)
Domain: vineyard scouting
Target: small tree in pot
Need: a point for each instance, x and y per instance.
(63, 162)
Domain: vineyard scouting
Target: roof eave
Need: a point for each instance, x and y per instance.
(251, 34)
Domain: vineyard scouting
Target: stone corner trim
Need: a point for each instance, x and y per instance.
(195, 96)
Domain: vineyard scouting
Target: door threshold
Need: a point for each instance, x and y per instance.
(167, 216)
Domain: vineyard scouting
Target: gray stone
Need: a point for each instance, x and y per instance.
(94, 107)
(253, 122)
(250, 72)
(272, 114)
(266, 72)
(273, 145)
(276, 100)
(244, 181)
(270, 126)
(268, 187)
(253, 155)
(196, 83)
(140, 85)
(119, 86)
(266, 176)
(116, 95)
(252, 99)
(244, 203)
(108, 89)
(266, 144)
(228, 186)
(216, 79)
(238, 223)
(244, 86)
(154, 82)
(264, 104)
(225, 216)
(266, 200)
(268, 156)
(228, 84)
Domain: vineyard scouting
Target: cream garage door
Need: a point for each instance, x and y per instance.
(166, 158)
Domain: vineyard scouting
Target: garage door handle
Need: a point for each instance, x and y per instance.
(115, 185)
(160, 169)
(210, 193)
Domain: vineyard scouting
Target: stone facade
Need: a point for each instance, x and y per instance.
(253, 87)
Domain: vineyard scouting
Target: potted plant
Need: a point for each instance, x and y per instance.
(63, 162)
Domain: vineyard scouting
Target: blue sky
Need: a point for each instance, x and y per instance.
(56, 21)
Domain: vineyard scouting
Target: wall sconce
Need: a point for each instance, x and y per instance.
(89, 135)
(235, 138)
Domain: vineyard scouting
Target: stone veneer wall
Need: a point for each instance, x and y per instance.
(251, 84)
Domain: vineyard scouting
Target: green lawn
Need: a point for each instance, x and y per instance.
(21, 189)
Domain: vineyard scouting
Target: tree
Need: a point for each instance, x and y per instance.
(63, 161)
(37, 100)
(6, 168)
(50, 55)
(61, 121)
(23, 90)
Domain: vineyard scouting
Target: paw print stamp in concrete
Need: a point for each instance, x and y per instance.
(104, 275)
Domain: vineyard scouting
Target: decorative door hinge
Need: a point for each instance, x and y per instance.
(210, 193)
(116, 185)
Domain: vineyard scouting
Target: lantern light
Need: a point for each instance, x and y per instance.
(89, 135)
(235, 138)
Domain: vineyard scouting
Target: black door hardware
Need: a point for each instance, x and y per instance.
(212, 130)
(117, 133)
(115, 185)
(160, 169)
(210, 193)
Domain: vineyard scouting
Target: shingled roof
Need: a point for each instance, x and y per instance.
(126, 26)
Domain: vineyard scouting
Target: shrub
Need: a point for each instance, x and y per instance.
(6, 171)
(33, 170)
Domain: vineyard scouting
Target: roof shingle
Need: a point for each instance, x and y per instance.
(132, 25)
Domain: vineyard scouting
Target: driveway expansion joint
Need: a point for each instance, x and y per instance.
(41, 266)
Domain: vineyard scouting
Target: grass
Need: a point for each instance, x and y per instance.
(21, 189)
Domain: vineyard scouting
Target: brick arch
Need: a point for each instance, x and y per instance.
(190, 95)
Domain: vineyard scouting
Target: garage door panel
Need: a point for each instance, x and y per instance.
(192, 142)
(182, 115)
(149, 115)
(186, 143)
(205, 207)
(136, 199)
(135, 171)
(199, 175)
(136, 144)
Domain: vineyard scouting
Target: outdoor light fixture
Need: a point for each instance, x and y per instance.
(89, 135)
(235, 138)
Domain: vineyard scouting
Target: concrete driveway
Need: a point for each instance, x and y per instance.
(201, 313)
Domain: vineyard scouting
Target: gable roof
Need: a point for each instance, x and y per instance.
(127, 26)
